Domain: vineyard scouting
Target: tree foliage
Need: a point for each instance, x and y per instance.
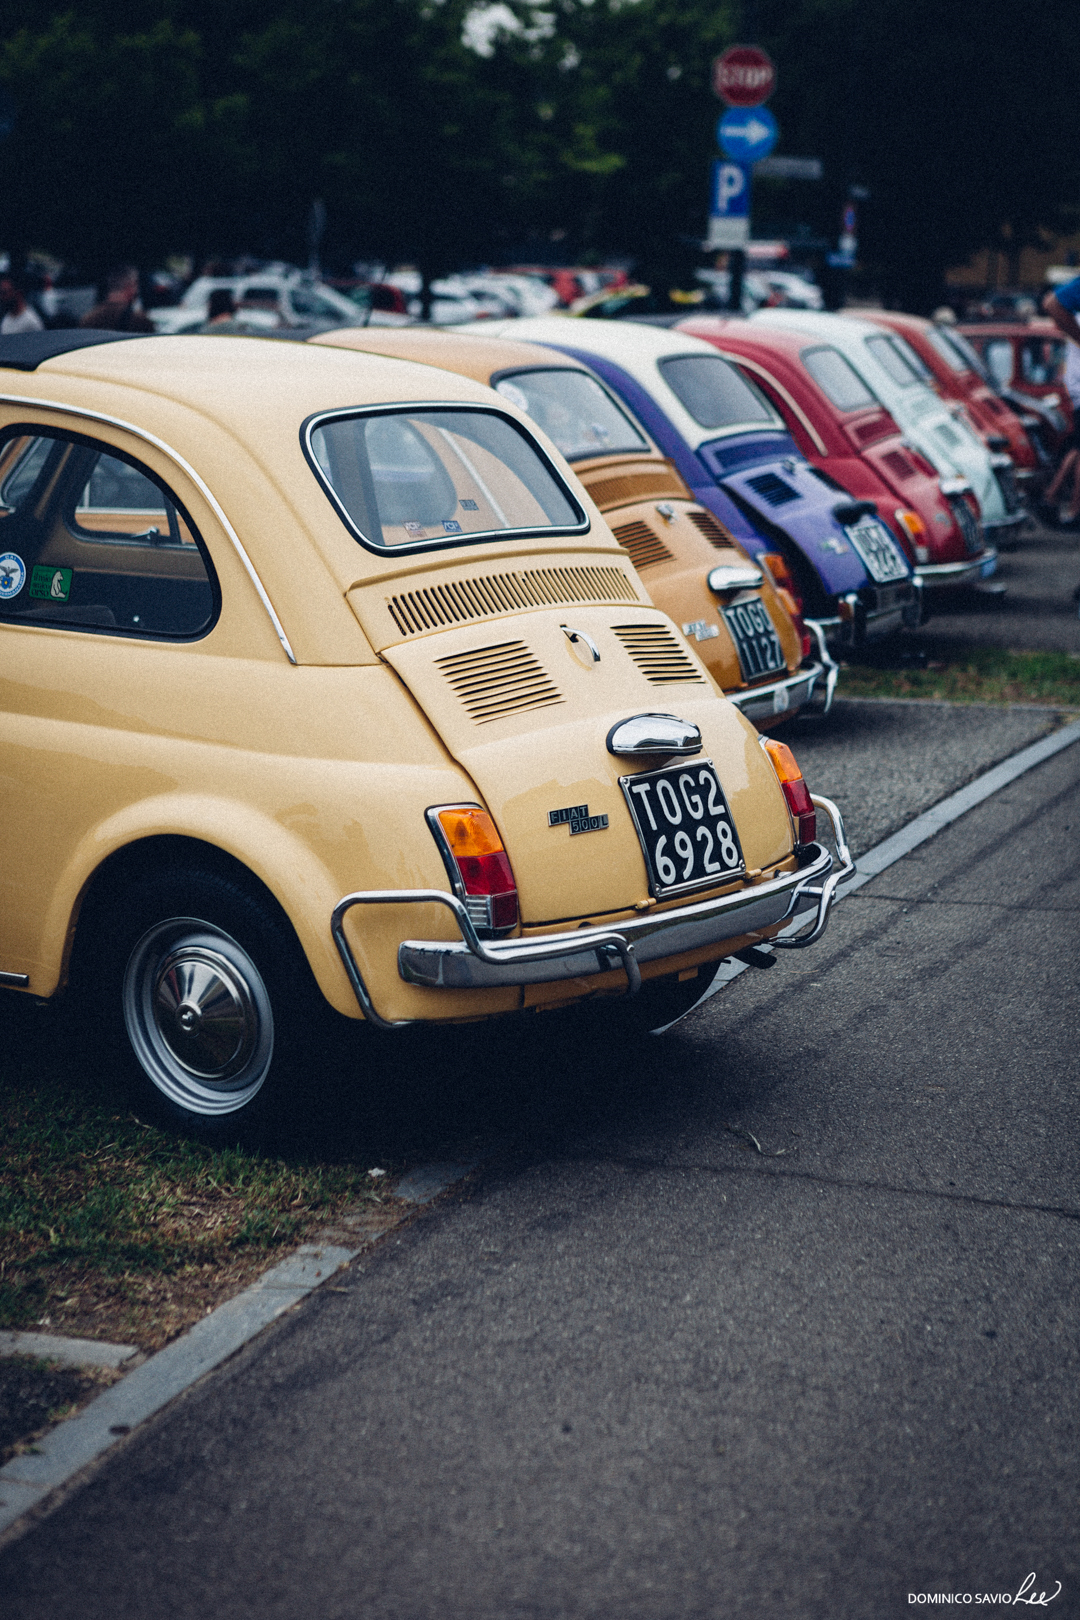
(450, 131)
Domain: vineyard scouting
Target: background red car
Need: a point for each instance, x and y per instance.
(845, 432)
(1024, 361)
(949, 370)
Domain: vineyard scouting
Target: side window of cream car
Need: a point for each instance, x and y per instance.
(91, 540)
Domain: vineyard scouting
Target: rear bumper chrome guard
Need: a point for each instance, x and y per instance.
(475, 964)
(936, 575)
(773, 698)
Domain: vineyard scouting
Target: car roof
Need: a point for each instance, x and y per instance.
(735, 330)
(635, 347)
(476, 356)
(230, 409)
(819, 323)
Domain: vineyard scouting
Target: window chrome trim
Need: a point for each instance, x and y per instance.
(187, 469)
(450, 542)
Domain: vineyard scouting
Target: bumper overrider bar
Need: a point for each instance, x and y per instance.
(472, 963)
(772, 698)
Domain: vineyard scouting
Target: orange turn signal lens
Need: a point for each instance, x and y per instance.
(912, 523)
(469, 831)
(784, 762)
(795, 789)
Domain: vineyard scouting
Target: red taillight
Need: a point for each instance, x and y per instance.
(807, 643)
(483, 864)
(795, 789)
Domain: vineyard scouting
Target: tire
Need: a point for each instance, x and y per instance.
(207, 1000)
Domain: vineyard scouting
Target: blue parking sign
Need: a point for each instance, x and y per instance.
(730, 190)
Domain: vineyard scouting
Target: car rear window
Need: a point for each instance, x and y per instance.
(715, 394)
(910, 353)
(837, 379)
(890, 358)
(947, 349)
(427, 476)
(574, 411)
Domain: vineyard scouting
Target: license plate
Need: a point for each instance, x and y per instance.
(687, 835)
(879, 551)
(756, 642)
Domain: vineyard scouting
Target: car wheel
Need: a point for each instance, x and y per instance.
(208, 1000)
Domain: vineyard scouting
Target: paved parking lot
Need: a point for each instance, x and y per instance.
(636, 1367)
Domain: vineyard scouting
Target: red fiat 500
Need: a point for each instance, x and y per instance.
(956, 380)
(1024, 361)
(843, 430)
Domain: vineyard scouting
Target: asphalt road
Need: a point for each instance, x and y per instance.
(1037, 611)
(638, 1369)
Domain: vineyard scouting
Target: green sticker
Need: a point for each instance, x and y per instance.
(51, 584)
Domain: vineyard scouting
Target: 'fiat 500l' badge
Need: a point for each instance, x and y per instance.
(577, 818)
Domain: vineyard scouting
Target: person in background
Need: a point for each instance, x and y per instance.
(1061, 306)
(117, 311)
(221, 314)
(18, 316)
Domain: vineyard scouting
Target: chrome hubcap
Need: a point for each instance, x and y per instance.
(198, 1016)
(204, 1012)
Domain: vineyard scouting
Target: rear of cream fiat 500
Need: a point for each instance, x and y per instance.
(326, 683)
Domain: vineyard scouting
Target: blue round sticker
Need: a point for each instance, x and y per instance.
(12, 575)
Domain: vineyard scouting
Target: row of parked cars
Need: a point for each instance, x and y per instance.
(403, 676)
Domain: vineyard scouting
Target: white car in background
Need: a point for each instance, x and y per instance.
(893, 372)
(266, 300)
(518, 294)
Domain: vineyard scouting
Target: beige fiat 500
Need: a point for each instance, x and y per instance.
(747, 631)
(326, 686)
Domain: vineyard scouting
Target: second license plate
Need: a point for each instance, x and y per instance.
(686, 830)
(756, 641)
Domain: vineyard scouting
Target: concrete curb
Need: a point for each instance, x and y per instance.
(28, 1479)
(68, 1352)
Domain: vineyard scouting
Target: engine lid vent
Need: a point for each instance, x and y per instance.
(657, 654)
(898, 464)
(644, 546)
(493, 682)
(714, 531)
(622, 488)
(772, 488)
(435, 607)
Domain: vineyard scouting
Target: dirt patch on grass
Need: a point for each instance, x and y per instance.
(35, 1394)
(112, 1229)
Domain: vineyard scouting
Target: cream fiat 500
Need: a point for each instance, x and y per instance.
(326, 686)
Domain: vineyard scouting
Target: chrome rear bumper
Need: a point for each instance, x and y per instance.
(936, 576)
(781, 697)
(472, 963)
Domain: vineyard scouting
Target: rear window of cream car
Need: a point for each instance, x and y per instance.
(417, 477)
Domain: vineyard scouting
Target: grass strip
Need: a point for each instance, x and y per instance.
(965, 674)
(115, 1230)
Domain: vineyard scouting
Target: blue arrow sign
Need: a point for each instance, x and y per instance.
(747, 133)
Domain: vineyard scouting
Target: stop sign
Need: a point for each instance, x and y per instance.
(744, 76)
